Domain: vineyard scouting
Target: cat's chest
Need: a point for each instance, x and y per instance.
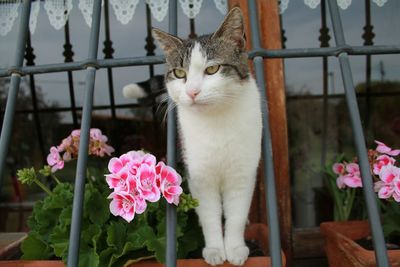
(214, 134)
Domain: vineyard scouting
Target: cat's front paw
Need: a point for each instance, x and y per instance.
(238, 255)
(214, 256)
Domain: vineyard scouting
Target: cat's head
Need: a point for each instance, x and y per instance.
(205, 71)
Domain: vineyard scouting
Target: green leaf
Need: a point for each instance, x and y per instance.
(59, 240)
(62, 197)
(158, 245)
(88, 257)
(105, 257)
(90, 234)
(96, 206)
(65, 217)
(34, 248)
(116, 234)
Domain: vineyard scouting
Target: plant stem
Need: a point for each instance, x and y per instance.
(55, 178)
(41, 185)
(129, 262)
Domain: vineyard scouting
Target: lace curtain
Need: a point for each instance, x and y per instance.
(343, 4)
(58, 10)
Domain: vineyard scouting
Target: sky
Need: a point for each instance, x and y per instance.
(301, 26)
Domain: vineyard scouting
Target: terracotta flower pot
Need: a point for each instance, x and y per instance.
(32, 263)
(258, 232)
(343, 251)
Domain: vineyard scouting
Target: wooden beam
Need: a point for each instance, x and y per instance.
(270, 31)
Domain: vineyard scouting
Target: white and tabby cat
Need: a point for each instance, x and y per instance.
(220, 124)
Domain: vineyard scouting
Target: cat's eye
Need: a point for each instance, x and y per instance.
(212, 69)
(180, 74)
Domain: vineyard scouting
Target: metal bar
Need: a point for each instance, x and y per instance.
(324, 51)
(82, 65)
(368, 36)
(108, 53)
(68, 54)
(324, 38)
(369, 194)
(30, 56)
(140, 61)
(8, 120)
(269, 176)
(171, 151)
(77, 210)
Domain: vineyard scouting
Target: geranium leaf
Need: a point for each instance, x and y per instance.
(59, 240)
(116, 234)
(158, 246)
(96, 207)
(88, 257)
(34, 248)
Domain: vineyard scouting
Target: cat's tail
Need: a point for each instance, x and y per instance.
(147, 89)
(133, 91)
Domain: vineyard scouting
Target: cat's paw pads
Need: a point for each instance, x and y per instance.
(214, 256)
(238, 255)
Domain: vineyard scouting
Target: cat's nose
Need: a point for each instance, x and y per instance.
(192, 93)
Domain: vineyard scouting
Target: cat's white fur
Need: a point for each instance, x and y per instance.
(221, 131)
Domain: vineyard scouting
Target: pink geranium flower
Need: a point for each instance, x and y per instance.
(384, 149)
(118, 181)
(54, 159)
(338, 168)
(134, 191)
(136, 174)
(170, 182)
(122, 204)
(389, 173)
(382, 160)
(147, 183)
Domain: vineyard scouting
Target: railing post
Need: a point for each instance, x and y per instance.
(79, 190)
(8, 120)
(272, 205)
(359, 139)
(171, 152)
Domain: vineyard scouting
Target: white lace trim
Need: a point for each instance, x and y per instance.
(312, 3)
(222, 6)
(379, 3)
(283, 5)
(58, 12)
(8, 14)
(35, 8)
(158, 8)
(191, 7)
(124, 9)
(343, 4)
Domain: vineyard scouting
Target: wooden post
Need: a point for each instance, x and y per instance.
(271, 39)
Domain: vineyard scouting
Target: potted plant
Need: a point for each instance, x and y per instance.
(346, 239)
(124, 221)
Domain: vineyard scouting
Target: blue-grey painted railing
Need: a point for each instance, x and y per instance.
(369, 195)
(342, 51)
(269, 176)
(8, 120)
(171, 150)
(139, 61)
(79, 190)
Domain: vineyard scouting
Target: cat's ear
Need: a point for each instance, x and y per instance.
(167, 42)
(232, 28)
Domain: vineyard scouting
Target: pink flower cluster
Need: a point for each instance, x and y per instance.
(136, 177)
(69, 148)
(383, 167)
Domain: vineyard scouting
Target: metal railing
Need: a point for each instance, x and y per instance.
(91, 64)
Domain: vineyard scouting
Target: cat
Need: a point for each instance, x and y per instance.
(146, 91)
(220, 124)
